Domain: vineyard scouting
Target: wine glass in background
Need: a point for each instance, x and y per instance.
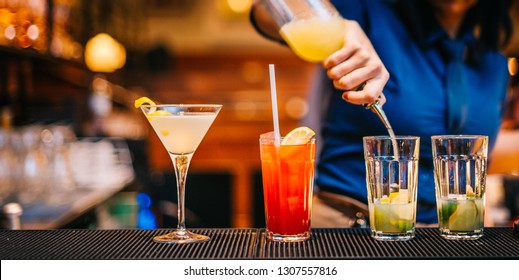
(8, 166)
(181, 128)
(55, 142)
(34, 166)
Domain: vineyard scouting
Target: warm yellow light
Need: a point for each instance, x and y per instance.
(239, 6)
(513, 66)
(10, 32)
(104, 54)
(296, 107)
(33, 32)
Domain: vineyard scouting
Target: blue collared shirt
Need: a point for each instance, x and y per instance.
(416, 102)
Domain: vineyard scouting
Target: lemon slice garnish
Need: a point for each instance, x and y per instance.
(297, 136)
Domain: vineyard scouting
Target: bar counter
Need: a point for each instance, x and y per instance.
(246, 244)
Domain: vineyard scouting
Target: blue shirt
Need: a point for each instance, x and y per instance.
(415, 103)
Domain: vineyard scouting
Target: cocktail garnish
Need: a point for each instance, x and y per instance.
(297, 136)
(401, 196)
(145, 100)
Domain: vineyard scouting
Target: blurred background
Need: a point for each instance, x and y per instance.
(75, 153)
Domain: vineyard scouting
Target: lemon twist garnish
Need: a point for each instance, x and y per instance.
(143, 100)
(297, 136)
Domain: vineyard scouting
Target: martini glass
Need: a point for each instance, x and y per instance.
(181, 128)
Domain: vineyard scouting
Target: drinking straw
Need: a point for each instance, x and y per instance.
(273, 94)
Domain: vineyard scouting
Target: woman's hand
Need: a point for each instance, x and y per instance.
(354, 64)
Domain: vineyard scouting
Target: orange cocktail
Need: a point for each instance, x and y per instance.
(288, 177)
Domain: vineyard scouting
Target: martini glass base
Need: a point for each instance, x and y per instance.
(181, 237)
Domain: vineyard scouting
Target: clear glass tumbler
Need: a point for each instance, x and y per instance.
(460, 168)
(392, 182)
(288, 180)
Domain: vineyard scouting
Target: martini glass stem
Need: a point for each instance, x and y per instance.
(181, 165)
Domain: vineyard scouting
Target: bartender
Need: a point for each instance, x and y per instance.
(440, 66)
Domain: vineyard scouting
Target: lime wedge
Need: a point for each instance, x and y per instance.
(464, 217)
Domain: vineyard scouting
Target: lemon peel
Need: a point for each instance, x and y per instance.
(145, 100)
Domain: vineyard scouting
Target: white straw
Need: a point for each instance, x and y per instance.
(273, 94)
